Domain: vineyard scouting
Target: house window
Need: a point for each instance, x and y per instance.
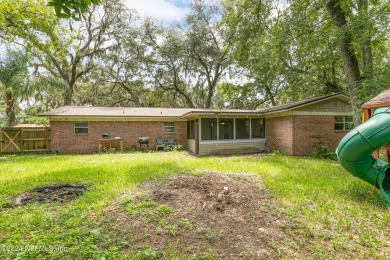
(80, 128)
(226, 127)
(209, 128)
(242, 128)
(169, 127)
(343, 122)
(258, 128)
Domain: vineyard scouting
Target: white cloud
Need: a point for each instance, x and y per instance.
(160, 9)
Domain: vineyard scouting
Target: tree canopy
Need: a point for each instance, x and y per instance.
(14, 83)
(295, 49)
(238, 54)
(72, 8)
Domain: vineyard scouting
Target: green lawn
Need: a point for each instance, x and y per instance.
(338, 216)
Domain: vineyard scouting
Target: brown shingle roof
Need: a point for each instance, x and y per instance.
(382, 99)
(135, 111)
(77, 111)
(115, 111)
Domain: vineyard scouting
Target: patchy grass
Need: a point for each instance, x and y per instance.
(325, 212)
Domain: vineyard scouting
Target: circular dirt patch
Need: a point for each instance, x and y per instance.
(49, 194)
(225, 216)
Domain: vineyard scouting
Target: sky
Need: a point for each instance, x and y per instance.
(166, 10)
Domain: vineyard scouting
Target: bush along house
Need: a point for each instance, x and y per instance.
(294, 128)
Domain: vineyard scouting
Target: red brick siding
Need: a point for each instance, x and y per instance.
(279, 134)
(64, 139)
(309, 131)
(299, 135)
(294, 135)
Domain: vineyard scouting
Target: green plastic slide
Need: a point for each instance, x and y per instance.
(355, 151)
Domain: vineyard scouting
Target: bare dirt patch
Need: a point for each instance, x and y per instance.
(212, 214)
(49, 194)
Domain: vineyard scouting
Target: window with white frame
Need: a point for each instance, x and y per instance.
(169, 127)
(80, 128)
(343, 122)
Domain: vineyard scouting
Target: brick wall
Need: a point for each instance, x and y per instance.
(64, 139)
(309, 131)
(279, 134)
(294, 135)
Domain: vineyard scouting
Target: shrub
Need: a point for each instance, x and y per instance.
(323, 152)
(277, 152)
(176, 147)
(109, 150)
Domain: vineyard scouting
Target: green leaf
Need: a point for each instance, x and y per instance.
(62, 15)
(96, 232)
(66, 10)
(57, 8)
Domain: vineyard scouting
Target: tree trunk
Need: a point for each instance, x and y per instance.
(350, 62)
(68, 94)
(269, 95)
(189, 101)
(209, 96)
(368, 64)
(10, 109)
(180, 91)
(212, 83)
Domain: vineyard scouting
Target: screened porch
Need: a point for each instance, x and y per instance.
(225, 135)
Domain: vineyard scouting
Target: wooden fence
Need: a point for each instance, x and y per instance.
(18, 140)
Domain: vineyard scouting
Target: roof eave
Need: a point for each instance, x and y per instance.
(109, 116)
(340, 95)
(220, 113)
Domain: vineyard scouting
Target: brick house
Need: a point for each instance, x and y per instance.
(294, 128)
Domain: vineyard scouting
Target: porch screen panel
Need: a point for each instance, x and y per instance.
(242, 128)
(191, 129)
(209, 128)
(226, 129)
(258, 128)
